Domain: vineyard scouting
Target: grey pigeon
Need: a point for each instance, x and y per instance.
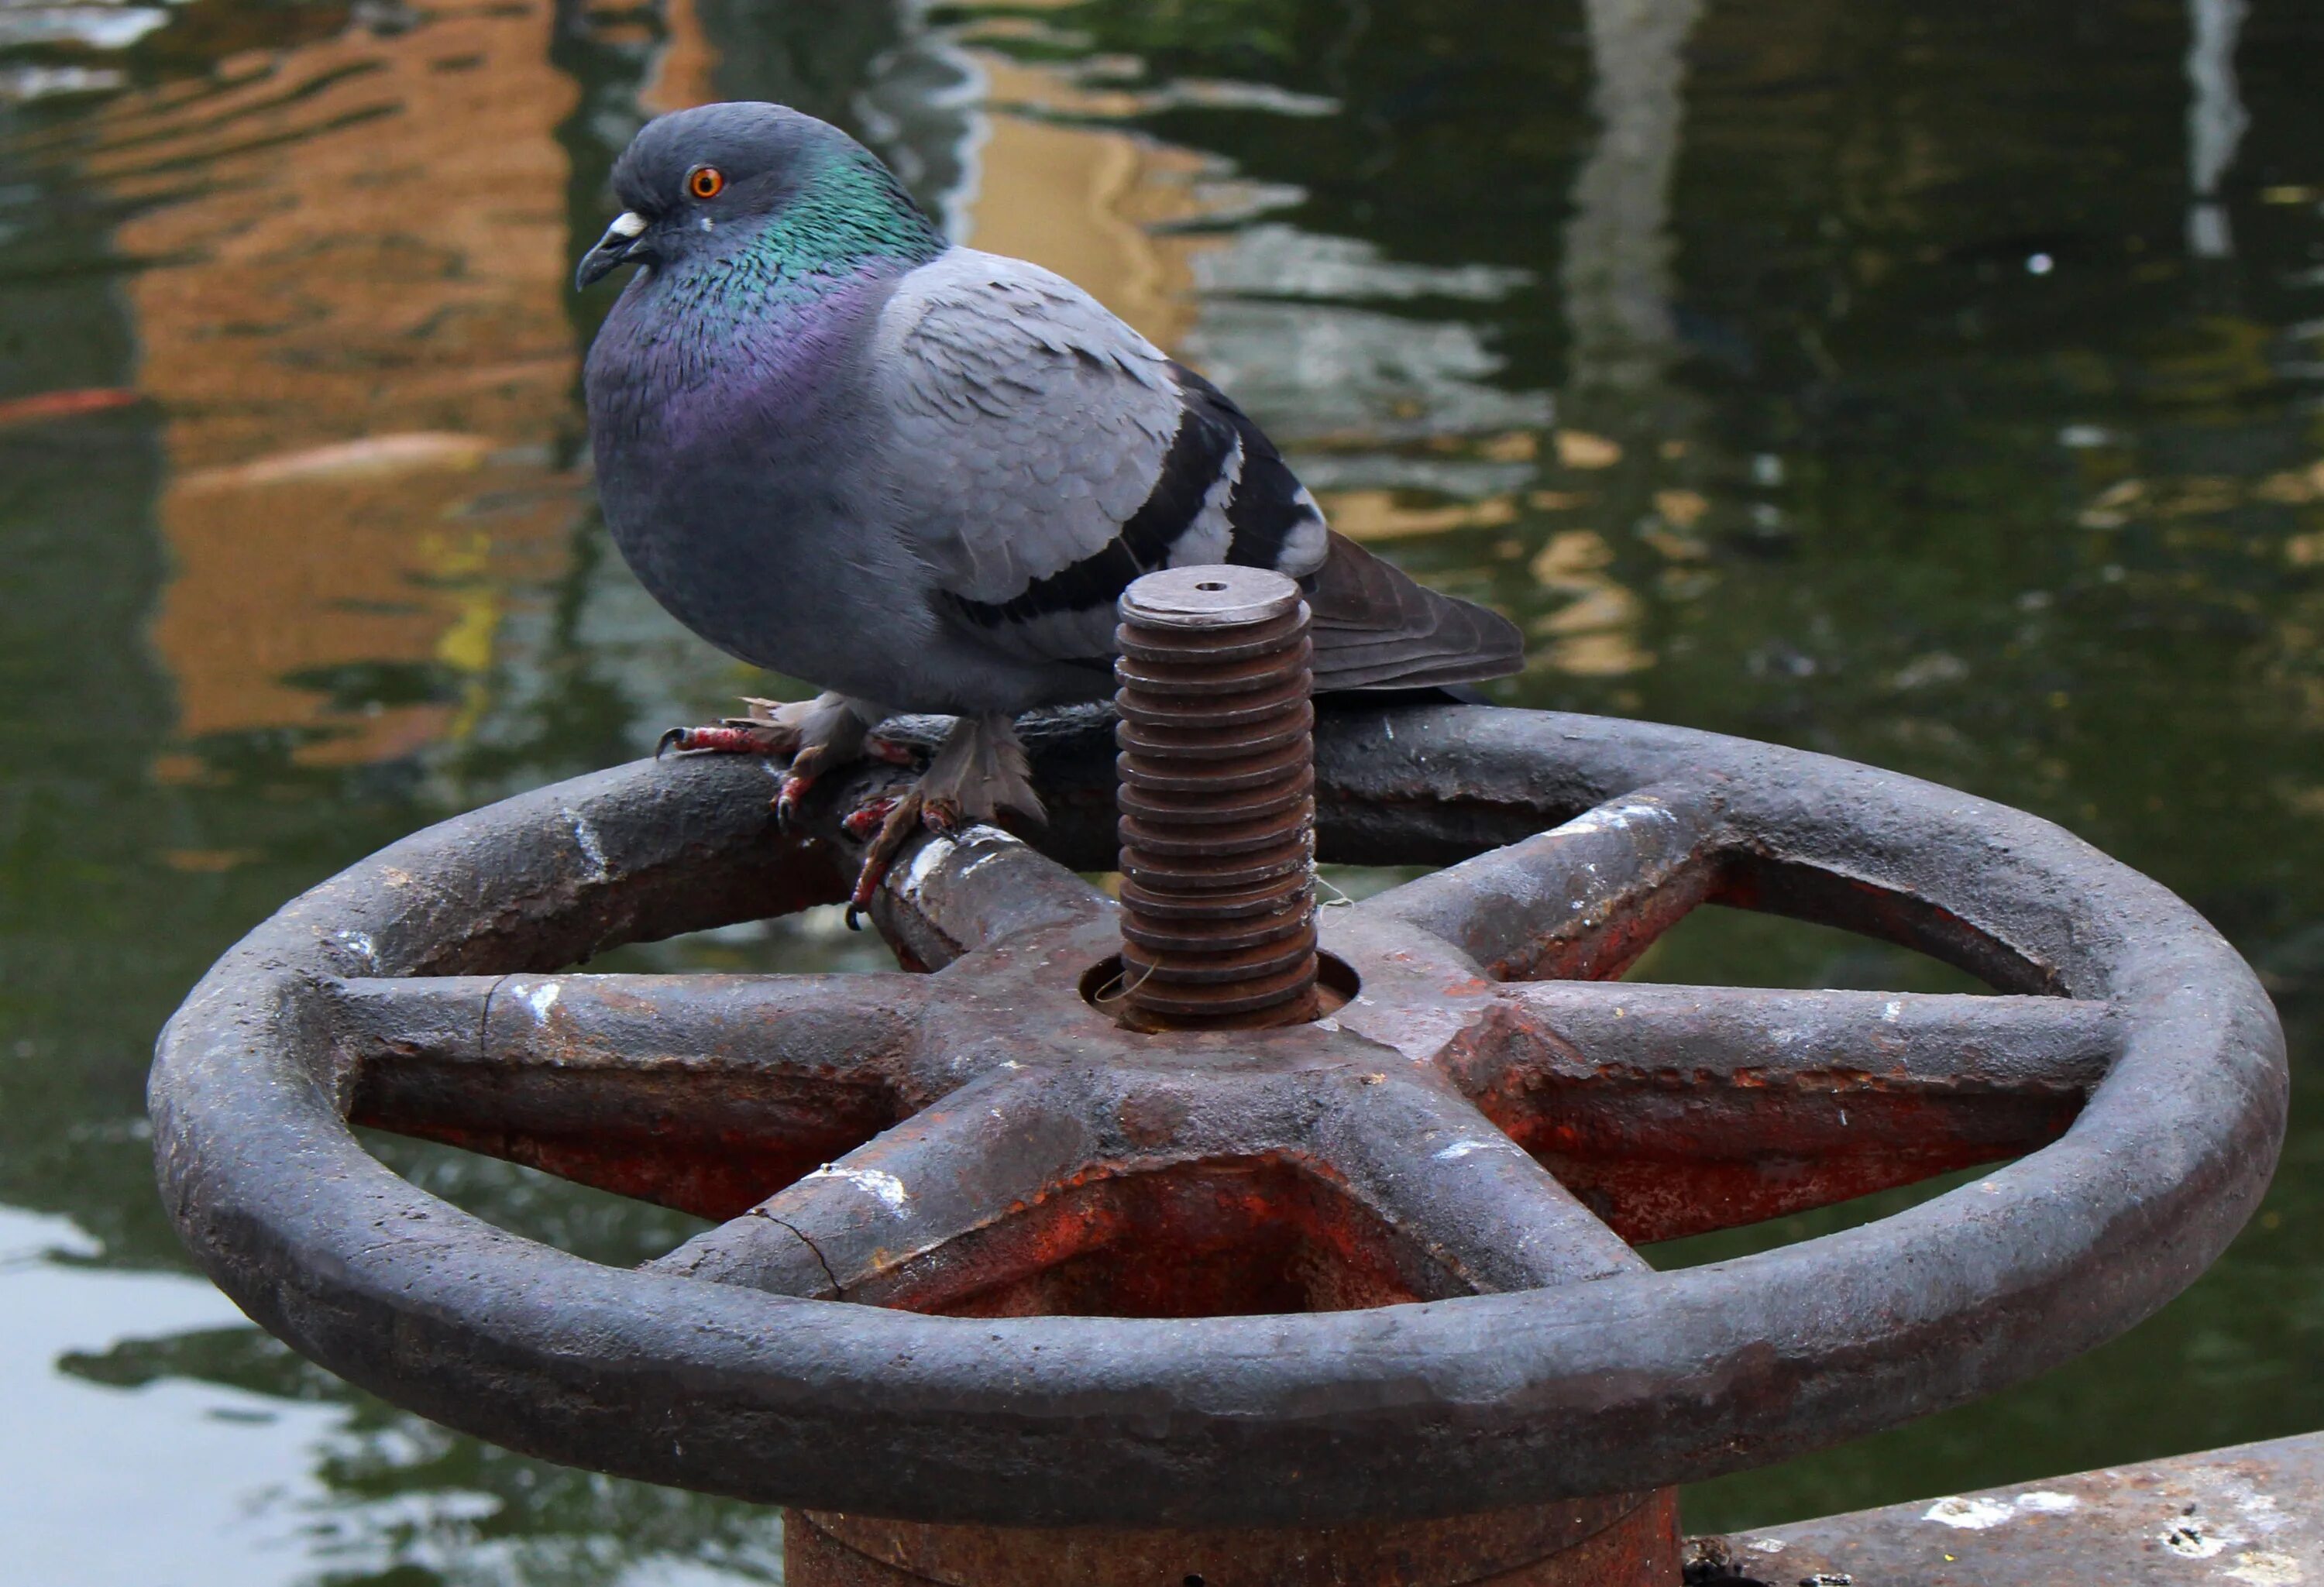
(836, 446)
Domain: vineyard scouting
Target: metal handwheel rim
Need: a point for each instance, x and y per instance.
(1430, 1408)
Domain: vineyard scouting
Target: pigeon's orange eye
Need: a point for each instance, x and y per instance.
(705, 181)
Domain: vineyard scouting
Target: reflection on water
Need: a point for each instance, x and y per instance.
(2215, 121)
(1940, 390)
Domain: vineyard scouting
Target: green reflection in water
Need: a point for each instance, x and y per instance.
(1935, 390)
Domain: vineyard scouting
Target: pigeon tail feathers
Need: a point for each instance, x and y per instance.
(1374, 627)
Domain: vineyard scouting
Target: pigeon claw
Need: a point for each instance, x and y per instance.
(895, 817)
(728, 738)
(793, 793)
(889, 750)
(810, 763)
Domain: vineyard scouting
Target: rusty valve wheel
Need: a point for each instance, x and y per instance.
(1112, 1278)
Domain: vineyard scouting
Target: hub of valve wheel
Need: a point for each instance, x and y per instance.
(1079, 1254)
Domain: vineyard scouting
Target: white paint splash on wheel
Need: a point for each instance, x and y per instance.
(882, 1187)
(2042, 1502)
(1461, 1149)
(1971, 1515)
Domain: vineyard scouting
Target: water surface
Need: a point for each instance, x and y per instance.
(1935, 387)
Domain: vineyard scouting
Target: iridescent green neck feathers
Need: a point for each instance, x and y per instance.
(849, 219)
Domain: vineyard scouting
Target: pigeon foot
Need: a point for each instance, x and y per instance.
(887, 822)
(736, 736)
(807, 765)
(813, 760)
(979, 769)
(816, 736)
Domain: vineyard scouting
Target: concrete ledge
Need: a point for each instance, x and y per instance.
(2250, 1516)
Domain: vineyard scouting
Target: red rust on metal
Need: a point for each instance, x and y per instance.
(1219, 1240)
(1217, 801)
(1618, 1538)
(1689, 1113)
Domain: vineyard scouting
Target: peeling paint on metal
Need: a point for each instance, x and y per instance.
(2193, 1540)
(979, 863)
(928, 863)
(1461, 1149)
(2043, 1502)
(1615, 818)
(592, 848)
(1971, 1515)
(882, 1187)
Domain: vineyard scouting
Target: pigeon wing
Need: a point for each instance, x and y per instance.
(1047, 453)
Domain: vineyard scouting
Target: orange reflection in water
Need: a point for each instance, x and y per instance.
(356, 325)
(1086, 201)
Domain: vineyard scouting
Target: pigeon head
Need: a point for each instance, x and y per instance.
(764, 181)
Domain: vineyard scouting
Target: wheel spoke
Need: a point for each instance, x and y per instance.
(950, 896)
(875, 1225)
(1676, 1110)
(1450, 1183)
(1582, 900)
(697, 1092)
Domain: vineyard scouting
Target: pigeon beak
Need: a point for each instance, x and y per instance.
(617, 247)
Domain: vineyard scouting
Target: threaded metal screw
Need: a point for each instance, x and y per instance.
(1217, 797)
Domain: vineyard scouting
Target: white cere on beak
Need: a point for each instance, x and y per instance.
(629, 223)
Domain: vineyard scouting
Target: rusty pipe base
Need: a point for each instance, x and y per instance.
(1626, 1540)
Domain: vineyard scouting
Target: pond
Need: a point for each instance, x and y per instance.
(1935, 386)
